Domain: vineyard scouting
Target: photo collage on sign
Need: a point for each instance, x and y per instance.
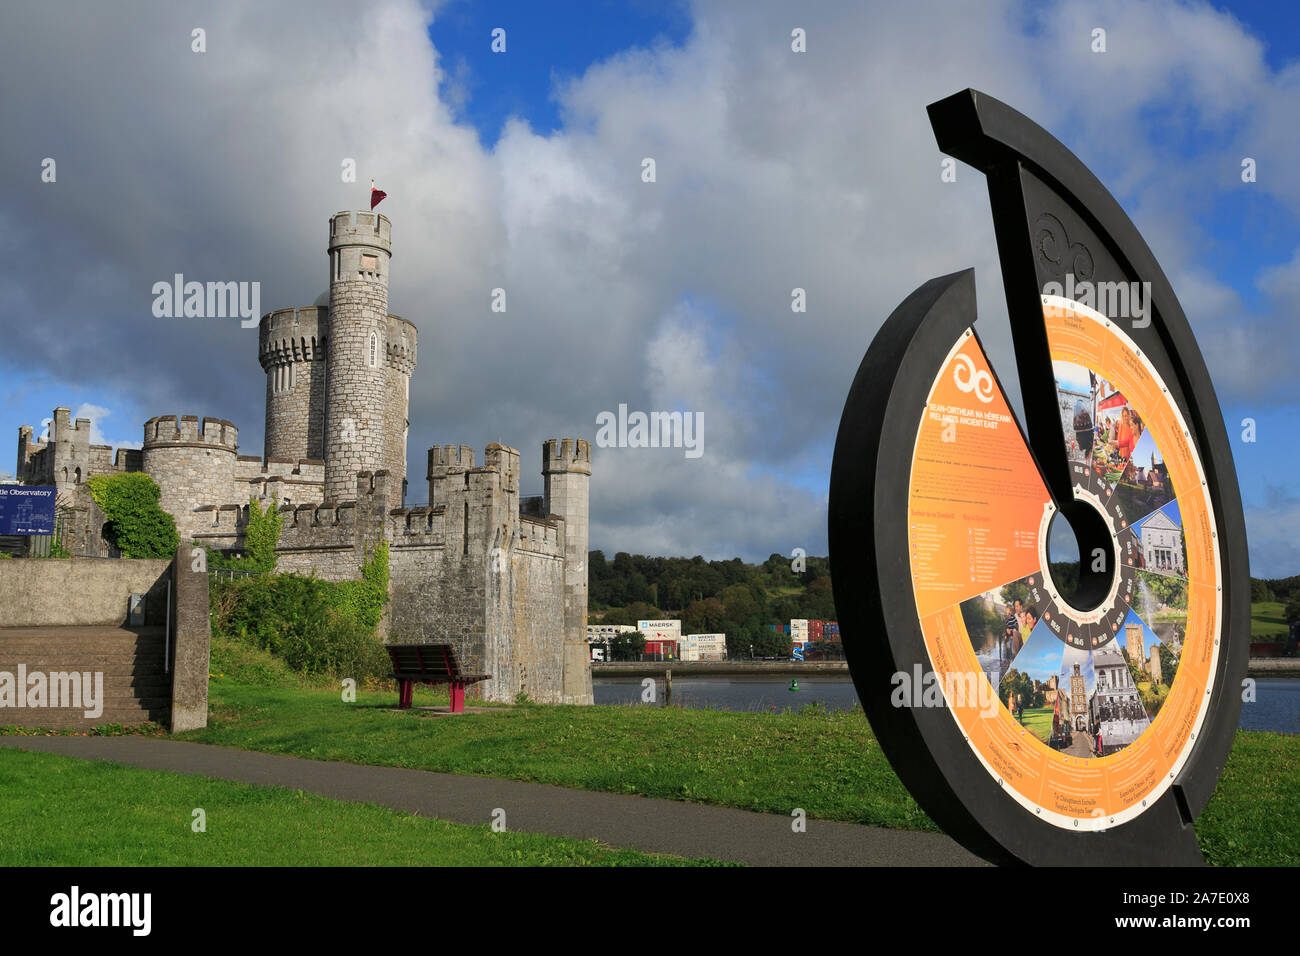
(1089, 689)
(1076, 394)
(1001, 621)
(1118, 430)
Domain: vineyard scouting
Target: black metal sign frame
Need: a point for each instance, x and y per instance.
(1052, 217)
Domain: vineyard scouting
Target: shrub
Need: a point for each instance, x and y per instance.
(262, 534)
(136, 525)
(245, 664)
(318, 628)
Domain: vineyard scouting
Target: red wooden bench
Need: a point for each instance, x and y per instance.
(430, 664)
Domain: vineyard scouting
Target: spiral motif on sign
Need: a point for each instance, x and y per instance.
(979, 382)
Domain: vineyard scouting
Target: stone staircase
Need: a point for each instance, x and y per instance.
(136, 687)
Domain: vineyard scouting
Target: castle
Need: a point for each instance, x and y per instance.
(503, 578)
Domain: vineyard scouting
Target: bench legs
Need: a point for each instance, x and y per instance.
(406, 688)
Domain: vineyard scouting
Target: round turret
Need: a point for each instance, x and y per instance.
(292, 351)
(193, 463)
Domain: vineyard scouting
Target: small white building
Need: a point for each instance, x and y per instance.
(602, 632)
(1162, 545)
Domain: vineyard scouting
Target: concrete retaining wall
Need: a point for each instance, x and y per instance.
(65, 623)
(81, 592)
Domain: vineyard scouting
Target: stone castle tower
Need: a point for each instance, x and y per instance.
(338, 378)
(503, 578)
(566, 471)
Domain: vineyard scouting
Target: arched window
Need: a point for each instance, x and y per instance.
(78, 476)
(374, 349)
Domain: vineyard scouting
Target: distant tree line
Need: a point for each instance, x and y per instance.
(742, 599)
(738, 599)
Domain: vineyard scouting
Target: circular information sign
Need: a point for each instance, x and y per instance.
(1084, 716)
(1044, 713)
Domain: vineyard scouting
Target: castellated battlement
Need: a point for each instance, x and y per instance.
(213, 433)
(541, 535)
(251, 468)
(506, 460)
(361, 228)
(400, 340)
(458, 457)
(227, 520)
(311, 526)
(566, 454)
(420, 526)
(292, 335)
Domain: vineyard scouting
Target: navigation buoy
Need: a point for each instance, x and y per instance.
(794, 683)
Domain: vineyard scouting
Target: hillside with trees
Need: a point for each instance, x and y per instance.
(742, 599)
(732, 597)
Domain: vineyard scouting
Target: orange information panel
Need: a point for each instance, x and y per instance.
(1084, 717)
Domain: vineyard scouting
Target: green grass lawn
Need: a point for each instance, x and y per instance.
(59, 811)
(1038, 721)
(1252, 820)
(829, 764)
(1267, 620)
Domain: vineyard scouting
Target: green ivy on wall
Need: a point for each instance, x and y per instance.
(136, 525)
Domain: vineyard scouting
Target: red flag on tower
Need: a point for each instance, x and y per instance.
(376, 195)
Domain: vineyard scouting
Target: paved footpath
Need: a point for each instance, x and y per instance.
(652, 825)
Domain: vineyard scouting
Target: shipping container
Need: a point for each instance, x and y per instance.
(661, 650)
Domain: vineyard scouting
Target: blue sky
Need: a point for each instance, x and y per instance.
(546, 46)
(521, 169)
(1149, 638)
(1042, 654)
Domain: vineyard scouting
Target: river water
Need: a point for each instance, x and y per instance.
(1276, 707)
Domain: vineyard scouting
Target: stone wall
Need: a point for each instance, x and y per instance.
(400, 352)
(281, 481)
(526, 614)
(472, 573)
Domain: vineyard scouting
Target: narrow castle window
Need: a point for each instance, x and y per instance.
(374, 349)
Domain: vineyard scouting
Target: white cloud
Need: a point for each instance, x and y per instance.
(775, 170)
